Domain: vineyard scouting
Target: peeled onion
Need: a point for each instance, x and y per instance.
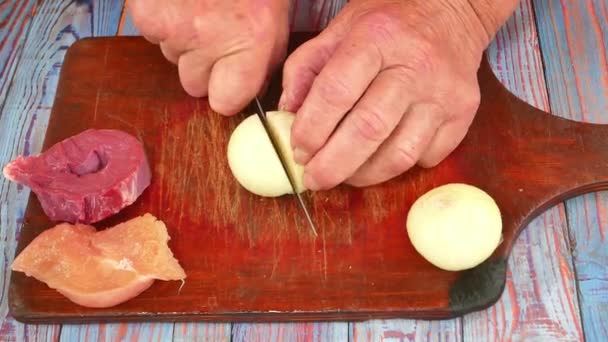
(455, 226)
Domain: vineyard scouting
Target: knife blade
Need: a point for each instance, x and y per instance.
(262, 115)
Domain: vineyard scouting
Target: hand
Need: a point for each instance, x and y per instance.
(223, 49)
(387, 85)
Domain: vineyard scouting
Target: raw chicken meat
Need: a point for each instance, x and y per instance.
(87, 177)
(105, 268)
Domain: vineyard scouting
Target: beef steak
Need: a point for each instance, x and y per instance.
(87, 177)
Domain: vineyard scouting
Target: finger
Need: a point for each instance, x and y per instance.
(194, 68)
(152, 39)
(236, 78)
(176, 45)
(451, 133)
(279, 49)
(277, 58)
(448, 137)
(363, 130)
(301, 68)
(171, 53)
(403, 148)
(149, 25)
(341, 83)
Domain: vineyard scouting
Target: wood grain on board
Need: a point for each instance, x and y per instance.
(302, 14)
(305, 15)
(118, 332)
(142, 331)
(25, 112)
(574, 41)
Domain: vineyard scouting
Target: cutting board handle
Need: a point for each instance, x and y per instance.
(571, 155)
(535, 160)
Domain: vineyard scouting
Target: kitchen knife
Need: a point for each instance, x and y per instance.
(262, 115)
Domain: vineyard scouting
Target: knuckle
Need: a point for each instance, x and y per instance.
(193, 88)
(370, 124)
(324, 177)
(219, 103)
(435, 156)
(403, 158)
(307, 138)
(169, 53)
(356, 181)
(248, 26)
(380, 25)
(465, 103)
(334, 91)
(290, 66)
(303, 139)
(295, 69)
(200, 32)
(402, 75)
(298, 136)
(233, 82)
(422, 57)
(259, 25)
(428, 162)
(224, 101)
(471, 102)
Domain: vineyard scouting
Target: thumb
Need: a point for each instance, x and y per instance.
(301, 68)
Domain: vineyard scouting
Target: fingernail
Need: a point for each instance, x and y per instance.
(310, 183)
(300, 156)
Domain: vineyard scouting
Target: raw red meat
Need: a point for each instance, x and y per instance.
(87, 177)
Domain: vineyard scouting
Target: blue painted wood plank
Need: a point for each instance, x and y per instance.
(56, 25)
(337, 331)
(37, 332)
(201, 331)
(184, 332)
(118, 332)
(588, 216)
(574, 39)
(539, 302)
(407, 330)
(15, 18)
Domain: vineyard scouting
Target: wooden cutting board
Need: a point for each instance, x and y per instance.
(253, 259)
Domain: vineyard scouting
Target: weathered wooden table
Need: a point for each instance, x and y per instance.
(551, 53)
